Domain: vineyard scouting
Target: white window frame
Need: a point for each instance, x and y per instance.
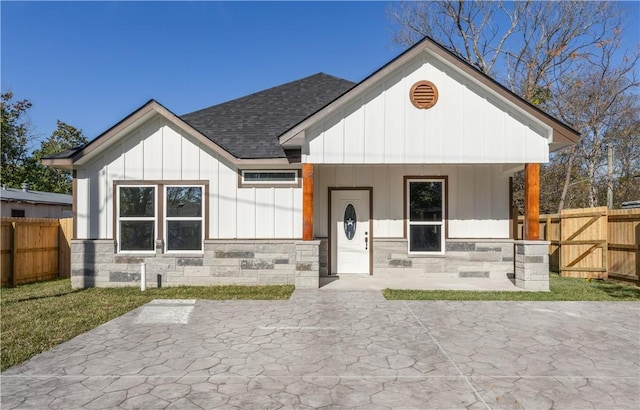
(441, 223)
(131, 218)
(270, 171)
(166, 219)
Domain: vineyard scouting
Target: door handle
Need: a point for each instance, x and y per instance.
(366, 241)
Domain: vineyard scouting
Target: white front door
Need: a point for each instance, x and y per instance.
(350, 236)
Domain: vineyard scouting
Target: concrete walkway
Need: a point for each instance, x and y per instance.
(365, 282)
(330, 349)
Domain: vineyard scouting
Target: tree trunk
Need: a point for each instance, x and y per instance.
(567, 178)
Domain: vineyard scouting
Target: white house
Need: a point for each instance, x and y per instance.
(406, 173)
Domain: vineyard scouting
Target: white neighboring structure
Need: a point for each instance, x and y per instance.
(406, 173)
(24, 203)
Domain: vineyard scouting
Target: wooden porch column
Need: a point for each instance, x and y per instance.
(531, 202)
(307, 202)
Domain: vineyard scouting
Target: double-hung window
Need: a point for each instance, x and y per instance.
(184, 218)
(137, 218)
(173, 213)
(425, 216)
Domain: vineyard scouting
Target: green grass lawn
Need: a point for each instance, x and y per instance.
(561, 289)
(38, 316)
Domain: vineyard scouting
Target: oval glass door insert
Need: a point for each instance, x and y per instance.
(350, 221)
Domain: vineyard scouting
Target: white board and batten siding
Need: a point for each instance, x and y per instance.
(158, 151)
(478, 197)
(468, 125)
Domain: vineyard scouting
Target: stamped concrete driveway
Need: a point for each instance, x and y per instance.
(343, 350)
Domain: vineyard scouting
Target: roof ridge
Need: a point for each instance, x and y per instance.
(252, 95)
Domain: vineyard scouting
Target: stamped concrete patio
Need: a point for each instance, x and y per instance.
(343, 349)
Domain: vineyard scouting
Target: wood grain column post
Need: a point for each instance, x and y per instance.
(531, 202)
(307, 202)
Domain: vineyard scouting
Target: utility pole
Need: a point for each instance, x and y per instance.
(609, 176)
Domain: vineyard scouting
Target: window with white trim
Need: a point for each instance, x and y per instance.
(137, 218)
(270, 177)
(425, 216)
(184, 218)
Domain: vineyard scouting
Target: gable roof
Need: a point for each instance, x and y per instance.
(244, 128)
(249, 127)
(258, 127)
(563, 134)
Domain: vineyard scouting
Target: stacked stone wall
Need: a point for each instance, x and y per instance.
(245, 262)
(484, 258)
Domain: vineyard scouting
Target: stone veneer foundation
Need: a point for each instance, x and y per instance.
(463, 258)
(261, 262)
(94, 263)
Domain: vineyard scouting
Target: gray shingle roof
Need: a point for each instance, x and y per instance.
(35, 197)
(249, 127)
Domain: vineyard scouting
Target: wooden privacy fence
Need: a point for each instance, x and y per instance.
(593, 243)
(34, 249)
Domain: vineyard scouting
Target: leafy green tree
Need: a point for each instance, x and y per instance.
(15, 140)
(50, 179)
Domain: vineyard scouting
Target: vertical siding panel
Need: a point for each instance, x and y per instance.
(334, 139)
(190, 159)
(115, 171)
(494, 135)
(94, 201)
(374, 126)
(228, 185)
(324, 177)
(432, 119)
(381, 201)
(413, 117)
(451, 103)
(466, 201)
(354, 142)
(515, 141)
(265, 212)
(133, 149)
(209, 171)
(297, 213)
(102, 204)
(314, 141)
(363, 176)
(500, 205)
(394, 119)
(246, 216)
(473, 127)
(171, 153)
(483, 201)
(345, 176)
(396, 200)
(283, 215)
(152, 150)
(83, 198)
(452, 200)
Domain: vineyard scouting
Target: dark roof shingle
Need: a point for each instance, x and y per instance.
(249, 127)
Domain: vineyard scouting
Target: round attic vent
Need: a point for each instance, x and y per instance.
(424, 94)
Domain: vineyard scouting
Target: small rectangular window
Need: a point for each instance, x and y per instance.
(425, 210)
(276, 177)
(136, 218)
(17, 213)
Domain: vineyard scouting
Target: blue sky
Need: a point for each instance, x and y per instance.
(91, 64)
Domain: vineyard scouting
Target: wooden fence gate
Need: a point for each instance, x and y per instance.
(592, 243)
(583, 243)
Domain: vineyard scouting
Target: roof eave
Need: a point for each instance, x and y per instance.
(60, 163)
